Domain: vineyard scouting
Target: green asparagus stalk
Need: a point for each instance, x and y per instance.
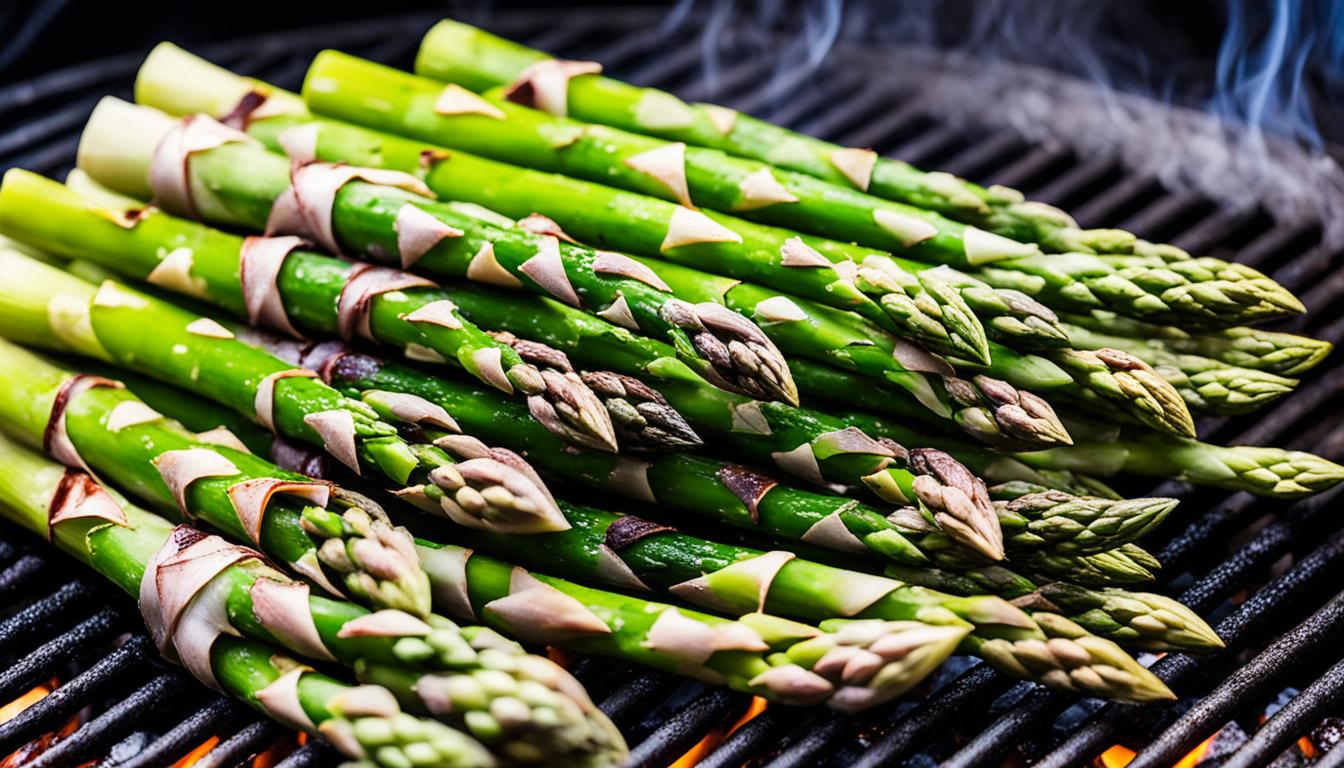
(1114, 379)
(1263, 471)
(1198, 290)
(711, 178)
(1285, 354)
(469, 483)
(1141, 620)
(1206, 385)
(1124, 566)
(797, 441)
(525, 707)
(382, 219)
(459, 53)
(989, 409)
(310, 287)
(742, 496)
(372, 216)
(800, 327)
(327, 535)
(846, 664)
(363, 722)
(629, 551)
(224, 366)
(806, 443)
(925, 306)
(1109, 380)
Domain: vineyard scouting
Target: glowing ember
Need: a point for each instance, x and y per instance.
(716, 737)
(1115, 757)
(1195, 755)
(13, 708)
(196, 754)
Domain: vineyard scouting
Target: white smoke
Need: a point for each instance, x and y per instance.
(1244, 134)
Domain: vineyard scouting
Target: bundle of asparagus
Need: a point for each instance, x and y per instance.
(884, 392)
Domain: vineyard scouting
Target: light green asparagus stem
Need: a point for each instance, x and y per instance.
(908, 298)
(68, 226)
(1122, 381)
(349, 538)
(1264, 471)
(1196, 290)
(491, 489)
(1140, 620)
(1206, 385)
(526, 708)
(459, 53)
(1285, 354)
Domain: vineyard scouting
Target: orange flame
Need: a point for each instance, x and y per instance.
(1116, 757)
(1197, 754)
(716, 737)
(196, 754)
(13, 708)
(1120, 756)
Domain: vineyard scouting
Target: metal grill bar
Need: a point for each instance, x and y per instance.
(79, 642)
(684, 729)
(19, 574)
(756, 737)
(973, 690)
(817, 734)
(41, 618)
(188, 734)
(1250, 683)
(251, 740)
(99, 733)
(1254, 615)
(310, 755)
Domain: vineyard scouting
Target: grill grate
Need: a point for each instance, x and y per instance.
(1254, 568)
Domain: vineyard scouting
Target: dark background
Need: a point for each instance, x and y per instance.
(1163, 48)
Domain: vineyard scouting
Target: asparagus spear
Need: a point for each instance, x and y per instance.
(1264, 471)
(828, 334)
(1140, 620)
(309, 286)
(1285, 354)
(781, 660)
(476, 485)
(320, 532)
(1109, 380)
(1198, 290)
(459, 53)
(1044, 647)
(526, 708)
(1124, 566)
(363, 722)
(742, 496)
(1117, 380)
(223, 367)
(990, 409)
(339, 209)
(925, 307)
(794, 440)
(1206, 385)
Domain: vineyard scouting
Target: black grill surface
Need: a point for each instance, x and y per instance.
(1264, 573)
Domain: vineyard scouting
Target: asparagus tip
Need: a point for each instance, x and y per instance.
(643, 418)
(958, 500)
(732, 351)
